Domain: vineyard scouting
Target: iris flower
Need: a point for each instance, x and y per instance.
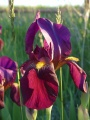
(8, 72)
(39, 83)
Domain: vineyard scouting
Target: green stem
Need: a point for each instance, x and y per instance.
(31, 114)
(61, 91)
(20, 95)
(12, 16)
(86, 18)
(83, 47)
(48, 113)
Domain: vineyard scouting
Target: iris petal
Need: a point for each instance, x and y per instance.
(14, 94)
(78, 75)
(32, 30)
(48, 49)
(40, 52)
(8, 63)
(58, 36)
(39, 88)
(30, 37)
(63, 35)
(8, 70)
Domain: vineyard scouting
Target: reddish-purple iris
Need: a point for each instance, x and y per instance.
(8, 72)
(39, 83)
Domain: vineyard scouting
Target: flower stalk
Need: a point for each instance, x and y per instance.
(60, 21)
(48, 113)
(86, 18)
(31, 114)
(12, 16)
(61, 91)
(18, 75)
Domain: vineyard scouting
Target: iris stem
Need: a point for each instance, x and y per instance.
(20, 95)
(83, 47)
(12, 16)
(48, 113)
(31, 114)
(86, 19)
(61, 91)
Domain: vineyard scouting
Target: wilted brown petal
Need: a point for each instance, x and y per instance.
(1, 96)
(1, 44)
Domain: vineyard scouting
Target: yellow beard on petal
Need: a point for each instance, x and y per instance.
(65, 60)
(42, 62)
(40, 65)
(72, 59)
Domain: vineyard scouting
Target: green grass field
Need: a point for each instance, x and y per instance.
(16, 50)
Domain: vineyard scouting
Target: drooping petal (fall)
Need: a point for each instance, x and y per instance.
(15, 93)
(39, 87)
(78, 75)
(65, 60)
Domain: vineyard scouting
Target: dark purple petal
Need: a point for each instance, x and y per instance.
(39, 87)
(63, 35)
(30, 37)
(8, 63)
(15, 94)
(1, 96)
(48, 49)
(40, 52)
(32, 30)
(58, 36)
(27, 64)
(8, 70)
(78, 75)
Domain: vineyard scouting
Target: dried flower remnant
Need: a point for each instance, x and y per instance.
(1, 41)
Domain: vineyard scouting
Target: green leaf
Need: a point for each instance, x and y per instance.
(16, 112)
(4, 114)
(72, 111)
(85, 98)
